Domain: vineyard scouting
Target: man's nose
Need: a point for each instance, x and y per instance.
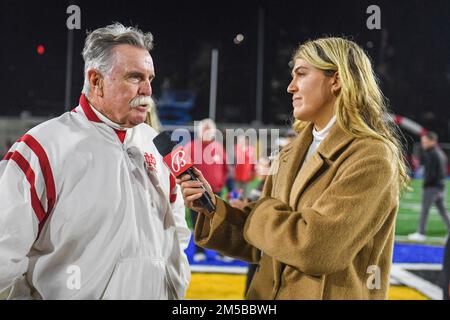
(145, 88)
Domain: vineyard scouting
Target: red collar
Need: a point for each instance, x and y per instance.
(88, 110)
(90, 114)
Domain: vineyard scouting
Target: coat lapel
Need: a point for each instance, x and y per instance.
(306, 173)
(318, 162)
(290, 162)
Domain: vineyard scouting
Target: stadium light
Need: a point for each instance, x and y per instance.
(40, 49)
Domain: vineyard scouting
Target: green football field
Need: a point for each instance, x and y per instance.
(409, 213)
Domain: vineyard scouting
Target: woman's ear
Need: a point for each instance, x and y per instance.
(335, 83)
(95, 82)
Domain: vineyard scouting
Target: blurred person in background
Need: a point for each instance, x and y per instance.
(434, 162)
(210, 157)
(324, 225)
(244, 168)
(88, 210)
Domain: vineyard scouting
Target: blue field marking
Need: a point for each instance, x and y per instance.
(417, 253)
(211, 258)
(403, 253)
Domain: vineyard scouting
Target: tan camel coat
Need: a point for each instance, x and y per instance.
(323, 232)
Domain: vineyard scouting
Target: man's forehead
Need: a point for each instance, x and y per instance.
(130, 57)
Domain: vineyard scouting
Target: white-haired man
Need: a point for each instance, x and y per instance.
(87, 208)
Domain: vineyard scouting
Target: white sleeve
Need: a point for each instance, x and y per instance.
(184, 236)
(178, 208)
(18, 223)
(23, 207)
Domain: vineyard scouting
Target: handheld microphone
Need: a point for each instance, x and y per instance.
(179, 164)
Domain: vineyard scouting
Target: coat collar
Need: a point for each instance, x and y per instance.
(336, 139)
(292, 157)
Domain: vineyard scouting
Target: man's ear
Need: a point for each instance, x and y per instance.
(95, 82)
(335, 83)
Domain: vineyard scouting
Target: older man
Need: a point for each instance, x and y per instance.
(87, 208)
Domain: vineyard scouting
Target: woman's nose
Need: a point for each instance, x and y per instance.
(291, 87)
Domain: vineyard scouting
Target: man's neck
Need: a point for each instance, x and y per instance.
(104, 117)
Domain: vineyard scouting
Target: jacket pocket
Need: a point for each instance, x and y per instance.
(138, 278)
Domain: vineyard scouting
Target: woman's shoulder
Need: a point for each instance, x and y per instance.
(371, 146)
(368, 152)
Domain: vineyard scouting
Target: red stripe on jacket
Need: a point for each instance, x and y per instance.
(29, 174)
(173, 190)
(45, 168)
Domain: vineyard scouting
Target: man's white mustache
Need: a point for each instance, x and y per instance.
(142, 101)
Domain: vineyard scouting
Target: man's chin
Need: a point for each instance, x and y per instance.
(137, 117)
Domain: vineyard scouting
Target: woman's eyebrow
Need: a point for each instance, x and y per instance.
(296, 69)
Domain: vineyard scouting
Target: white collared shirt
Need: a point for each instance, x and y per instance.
(318, 137)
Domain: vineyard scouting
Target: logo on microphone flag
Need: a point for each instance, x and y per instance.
(178, 161)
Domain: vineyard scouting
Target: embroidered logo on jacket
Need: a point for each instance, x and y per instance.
(150, 161)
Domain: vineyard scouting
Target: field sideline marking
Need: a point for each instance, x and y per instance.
(411, 280)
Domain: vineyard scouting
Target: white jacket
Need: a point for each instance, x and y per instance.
(84, 215)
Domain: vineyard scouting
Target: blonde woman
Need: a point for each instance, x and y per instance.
(324, 227)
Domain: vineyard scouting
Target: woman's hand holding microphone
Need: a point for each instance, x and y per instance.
(192, 191)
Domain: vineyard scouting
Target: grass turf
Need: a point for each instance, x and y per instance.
(409, 213)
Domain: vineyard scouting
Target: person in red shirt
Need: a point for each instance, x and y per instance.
(208, 156)
(245, 160)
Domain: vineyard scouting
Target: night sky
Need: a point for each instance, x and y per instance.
(411, 52)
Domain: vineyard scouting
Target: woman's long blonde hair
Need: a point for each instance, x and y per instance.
(152, 118)
(361, 109)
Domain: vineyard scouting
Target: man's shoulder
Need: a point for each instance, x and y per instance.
(145, 130)
(53, 129)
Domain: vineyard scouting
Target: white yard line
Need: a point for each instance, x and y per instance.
(411, 280)
(440, 240)
(417, 206)
(419, 266)
(218, 269)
